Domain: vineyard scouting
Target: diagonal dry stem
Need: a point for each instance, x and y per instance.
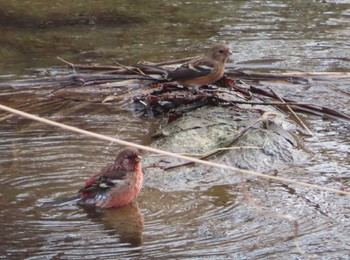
(292, 112)
(166, 153)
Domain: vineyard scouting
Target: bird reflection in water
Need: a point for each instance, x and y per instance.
(125, 222)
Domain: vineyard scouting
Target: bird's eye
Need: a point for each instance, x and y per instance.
(132, 156)
(221, 51)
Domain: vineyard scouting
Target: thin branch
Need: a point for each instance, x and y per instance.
(313, 109)
(132, 71)
(293, 113)
(198, 155)
(67, 62)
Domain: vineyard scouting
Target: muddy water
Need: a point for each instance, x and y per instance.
(39, 163)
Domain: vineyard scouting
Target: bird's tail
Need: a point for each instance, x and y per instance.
(61, 201)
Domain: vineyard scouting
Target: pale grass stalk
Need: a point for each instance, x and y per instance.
(170, 154)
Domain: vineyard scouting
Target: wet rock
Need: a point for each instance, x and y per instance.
(249, 140)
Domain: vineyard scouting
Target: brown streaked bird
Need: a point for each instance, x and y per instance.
(202, 70)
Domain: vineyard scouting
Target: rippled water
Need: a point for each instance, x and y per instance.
(39, 163)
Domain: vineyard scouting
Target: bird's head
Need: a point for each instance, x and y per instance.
(128, 158)
(219, 52)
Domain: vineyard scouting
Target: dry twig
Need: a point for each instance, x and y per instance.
(293, 113)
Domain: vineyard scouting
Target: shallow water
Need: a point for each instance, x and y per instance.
(39, 163)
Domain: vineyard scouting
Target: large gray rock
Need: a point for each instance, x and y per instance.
(265, 146)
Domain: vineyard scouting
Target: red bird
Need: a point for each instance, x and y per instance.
(117, 184)
(202, 70)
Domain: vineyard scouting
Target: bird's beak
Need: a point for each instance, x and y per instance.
(138, 158)
(229, 52)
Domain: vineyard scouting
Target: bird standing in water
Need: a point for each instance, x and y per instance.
(117, 184)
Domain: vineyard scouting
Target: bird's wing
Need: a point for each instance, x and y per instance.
(197, 67)
(189, 71)
(101, 184)
(111, 171)
(103, 180)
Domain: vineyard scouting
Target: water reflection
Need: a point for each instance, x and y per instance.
(126, 223)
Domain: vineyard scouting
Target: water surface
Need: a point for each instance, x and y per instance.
(39, 163)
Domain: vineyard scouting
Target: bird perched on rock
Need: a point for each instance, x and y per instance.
(202, 70)
(115, 185)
